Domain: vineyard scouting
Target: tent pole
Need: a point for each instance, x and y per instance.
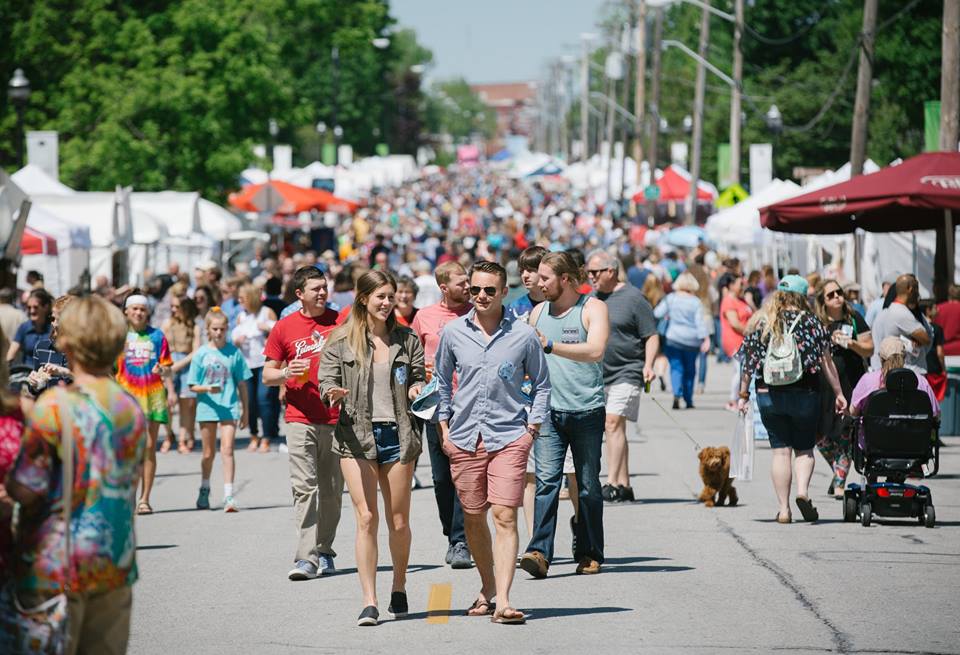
(913, 268)
(857, 248)
(949, 246)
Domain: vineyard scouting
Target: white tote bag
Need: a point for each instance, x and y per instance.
(742, 449)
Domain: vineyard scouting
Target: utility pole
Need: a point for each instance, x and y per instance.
(585, 99)
(611, 119)
(691, 214)
(639, 99)
(950, 77)
(735, 97)
(861, 107)
(655, 91)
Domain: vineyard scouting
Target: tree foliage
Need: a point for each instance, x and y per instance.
(173, 95)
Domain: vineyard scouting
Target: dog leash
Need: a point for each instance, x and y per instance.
(677, 423)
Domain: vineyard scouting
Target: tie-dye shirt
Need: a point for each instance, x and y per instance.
(144, 350)
(109, 434)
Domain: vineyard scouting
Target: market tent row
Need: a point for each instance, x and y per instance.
(351, 182)
(920, 193)
(278, 197)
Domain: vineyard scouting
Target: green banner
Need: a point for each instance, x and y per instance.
(931, 126)
(382, 150)
(329, 154)
(724, 173)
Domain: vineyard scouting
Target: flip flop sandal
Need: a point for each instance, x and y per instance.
(474, 610)
(806, 507)
(784, 519)
(144, 508)
(499, 616)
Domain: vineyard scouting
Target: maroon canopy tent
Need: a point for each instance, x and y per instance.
(921, 193)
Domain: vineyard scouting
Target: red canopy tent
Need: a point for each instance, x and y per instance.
(675, 186)
(37, 243)
(921, 193)
(285, 198)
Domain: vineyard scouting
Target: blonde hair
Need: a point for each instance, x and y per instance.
(445, 271)
(686, 282)
(886, 365)
(250, 295)
(355, 330)
(768, 318)
(215, 314)
(653, 289)
(563, 263)
(92, 332)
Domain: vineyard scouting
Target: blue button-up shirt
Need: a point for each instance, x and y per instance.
(488, 401)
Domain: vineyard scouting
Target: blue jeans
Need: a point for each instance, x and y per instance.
(718, 341)
(264, 405)
(582, 432)
(702, 369)
(448, 503)
(683, 369)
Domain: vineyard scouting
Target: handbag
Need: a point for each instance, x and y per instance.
(42, 630)
(742, 450)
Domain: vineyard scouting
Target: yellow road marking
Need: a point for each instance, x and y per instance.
(438, 605)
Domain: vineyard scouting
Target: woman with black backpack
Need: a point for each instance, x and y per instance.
(786, 349)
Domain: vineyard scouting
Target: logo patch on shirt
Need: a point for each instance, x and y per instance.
(400, 373)
(570, 335)
(507, 370)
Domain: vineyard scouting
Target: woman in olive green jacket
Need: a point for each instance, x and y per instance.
(374, 368)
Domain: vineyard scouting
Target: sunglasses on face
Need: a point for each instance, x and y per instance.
(830, 295)
(490, 291)
(593, 272)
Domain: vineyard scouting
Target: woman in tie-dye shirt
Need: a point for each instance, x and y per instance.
(108, 430)
(143, 370)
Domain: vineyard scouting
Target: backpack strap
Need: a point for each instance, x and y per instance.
(794, 324)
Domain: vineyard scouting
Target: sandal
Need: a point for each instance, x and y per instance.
(784, 519)
(264, 446)
(254, 443)
(806, 507)
(143, 508)
(182, 448)
(509, 616)
(166, 445)
(481, 607)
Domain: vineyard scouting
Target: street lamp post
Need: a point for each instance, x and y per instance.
(18, 91)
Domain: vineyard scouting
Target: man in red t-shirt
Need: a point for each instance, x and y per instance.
(293, 357)
(428, 323)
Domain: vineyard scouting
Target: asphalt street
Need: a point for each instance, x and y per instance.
(679, 577)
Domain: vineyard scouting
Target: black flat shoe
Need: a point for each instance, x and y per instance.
(676, 403)
(398, 605)
(369, 616)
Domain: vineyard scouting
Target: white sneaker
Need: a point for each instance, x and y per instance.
(230, 505)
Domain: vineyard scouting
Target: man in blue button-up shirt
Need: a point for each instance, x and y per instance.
(488, 426)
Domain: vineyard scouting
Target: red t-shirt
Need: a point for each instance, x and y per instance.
(729, 338)
(429, 322)
(302, 337)
(948, 318)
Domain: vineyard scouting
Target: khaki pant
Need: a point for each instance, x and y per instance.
(317, 488)
(99, 624)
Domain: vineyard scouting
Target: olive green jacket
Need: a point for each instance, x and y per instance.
(340, 368)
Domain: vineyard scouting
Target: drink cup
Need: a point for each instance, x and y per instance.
(304, 377)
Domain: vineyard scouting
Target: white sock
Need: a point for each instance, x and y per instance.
(227, 489)
(205, 484)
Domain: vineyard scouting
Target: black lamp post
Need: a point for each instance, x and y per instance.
(18, 91)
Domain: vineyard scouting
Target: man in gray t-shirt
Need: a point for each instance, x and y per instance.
(627, 364)
(898, 321)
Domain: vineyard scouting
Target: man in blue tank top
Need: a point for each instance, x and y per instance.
(573, 330)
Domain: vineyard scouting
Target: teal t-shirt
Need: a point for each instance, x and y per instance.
(226, 368)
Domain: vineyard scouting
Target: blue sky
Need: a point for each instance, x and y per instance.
(497, 40)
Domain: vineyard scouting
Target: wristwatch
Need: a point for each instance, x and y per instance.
(285, 373)
(549, 347)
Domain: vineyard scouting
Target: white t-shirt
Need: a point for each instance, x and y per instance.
(255, 338)
(898, 321)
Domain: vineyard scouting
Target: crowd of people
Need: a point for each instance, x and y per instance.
(510, 328)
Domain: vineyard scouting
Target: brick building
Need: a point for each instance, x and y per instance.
(515, 104)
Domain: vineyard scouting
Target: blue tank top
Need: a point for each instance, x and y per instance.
(575, 386)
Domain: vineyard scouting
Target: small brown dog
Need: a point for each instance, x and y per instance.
(715, 473)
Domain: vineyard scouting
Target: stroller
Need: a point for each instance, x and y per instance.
(898, 438)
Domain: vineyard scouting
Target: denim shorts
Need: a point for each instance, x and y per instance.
(180, 379)
(790, 417)
(387, 436)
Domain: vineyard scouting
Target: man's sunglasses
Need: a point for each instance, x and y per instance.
(593, 272)
(836, 293)
(490, 291)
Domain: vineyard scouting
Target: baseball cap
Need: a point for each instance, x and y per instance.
(794, 284)
(891, 346)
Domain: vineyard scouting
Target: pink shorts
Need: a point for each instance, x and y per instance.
(483, 479)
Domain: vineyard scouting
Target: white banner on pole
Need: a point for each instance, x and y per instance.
(761, 166)
(678, 153)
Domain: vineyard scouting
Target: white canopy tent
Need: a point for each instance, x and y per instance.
(63, 270)
(35, 181)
